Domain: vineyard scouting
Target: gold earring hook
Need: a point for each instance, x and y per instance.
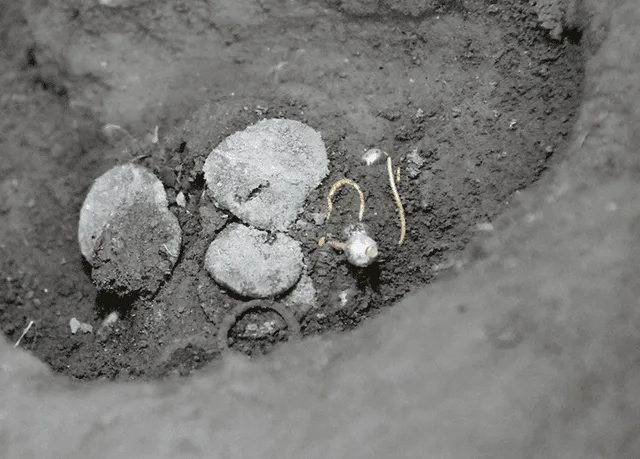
(338, 185)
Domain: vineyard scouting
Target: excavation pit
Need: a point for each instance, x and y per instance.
(472, 103)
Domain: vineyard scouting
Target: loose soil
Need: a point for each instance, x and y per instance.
(471, 99)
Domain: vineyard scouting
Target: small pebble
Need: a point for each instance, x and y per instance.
(344, 297)
(485, 226)
(181, 200)
(415, 163)
(319, 218)
(107, 324)
(76, 325)
(373, 156)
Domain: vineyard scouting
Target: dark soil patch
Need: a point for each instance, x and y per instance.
(132, 265)
(470, 99)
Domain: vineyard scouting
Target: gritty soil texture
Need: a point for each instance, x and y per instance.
(131, 256)
(470, 99)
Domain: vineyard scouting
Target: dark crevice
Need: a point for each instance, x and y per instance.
(573, 35)
(106, 303)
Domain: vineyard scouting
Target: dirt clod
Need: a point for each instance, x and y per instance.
(136, 251)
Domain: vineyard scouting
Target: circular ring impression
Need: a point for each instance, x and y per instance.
(256, 305)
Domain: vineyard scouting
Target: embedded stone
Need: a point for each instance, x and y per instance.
(117, 188)
(136, 251)
(264, 174)
(254, 263)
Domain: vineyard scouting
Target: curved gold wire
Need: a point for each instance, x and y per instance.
(335, 187)
(394, 189)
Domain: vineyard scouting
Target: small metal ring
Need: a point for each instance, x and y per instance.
(236, 313)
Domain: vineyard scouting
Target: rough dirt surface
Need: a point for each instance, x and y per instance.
(529, 350)
(136, 251)
(470, 102)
